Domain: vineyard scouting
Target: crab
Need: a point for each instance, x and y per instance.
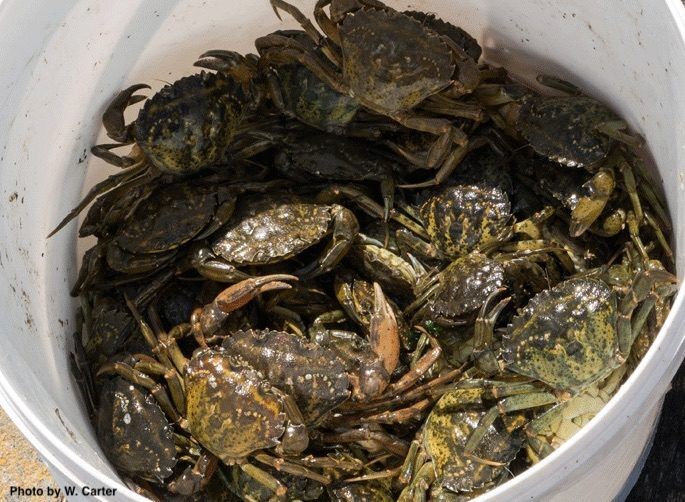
(228, 407)
(326, 157)
(364, 65)
(575, 131)
(298, 92)
(460, 219)
(569, 337)
(397, 275)
(317, 375)
(134, 432)
(109, 325)
(357, 298)
(189, 125)
(548, 431)
(274, 228)
(442, 442)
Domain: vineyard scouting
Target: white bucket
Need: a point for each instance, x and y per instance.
(63, 60)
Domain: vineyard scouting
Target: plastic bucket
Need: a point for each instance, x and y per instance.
(63, 60)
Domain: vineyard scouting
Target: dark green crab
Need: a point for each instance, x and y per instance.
(271, 229)
(189, 125)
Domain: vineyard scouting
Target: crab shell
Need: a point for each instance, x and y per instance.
(189, 124)
(171, 216)
(466, 284)
(462, 218)
(392, 60)
(134, 432)
(563, 129)
(314, 376)
(270, 230)
(566, 336)
(231, 410)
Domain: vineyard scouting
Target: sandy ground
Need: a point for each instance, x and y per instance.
(20, 465)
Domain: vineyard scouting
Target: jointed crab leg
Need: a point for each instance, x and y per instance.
(196, 476)
(389, 442)
(640, 289)
(139, 378)
(113, 118)
(209, 318)
(383, 331)
(125, 178)
(282, 465)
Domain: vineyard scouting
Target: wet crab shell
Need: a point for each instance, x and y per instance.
(563, 129)
(134, 432)
(110, 327)
(329, 157)
(170, 217)
(566, 336)
(405, 64)
(231, 410)
(458, 35)
(466, 284)
(189, 124)
(314, 376)
(462, 218)
(272, 230)
(448, 428)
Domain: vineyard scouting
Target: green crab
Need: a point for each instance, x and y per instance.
(134, 432)
(274, 228)
(228, 407)
(209, 106)
(438, 459)
(364, 65)
(572, 130)
(460, 219)
(569, 337)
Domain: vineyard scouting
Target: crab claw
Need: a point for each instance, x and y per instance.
(209, 319)
(113, 118)
(384, 331)
(240, 294)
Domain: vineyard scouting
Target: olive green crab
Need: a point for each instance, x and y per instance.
(569, 337)
(274, 228)
(364, 65)
(442, 442)
(572, 130)
(189, 125)
(228, 407)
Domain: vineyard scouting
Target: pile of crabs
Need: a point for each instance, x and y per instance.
(361, 265)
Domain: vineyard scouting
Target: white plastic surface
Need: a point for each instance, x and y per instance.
(61, 62)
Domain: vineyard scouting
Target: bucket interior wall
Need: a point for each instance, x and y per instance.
(62, 61)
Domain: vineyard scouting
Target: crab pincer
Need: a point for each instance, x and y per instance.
(208, 319)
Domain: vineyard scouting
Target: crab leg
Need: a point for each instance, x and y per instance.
(113, 118)
(507, 405)
(384, 332)
(345, 230)
(389, 442)
(639, 291)
(401, 415)
(265, 479)
(208, 319)
(195, 477)
(596, 193)
(139, 378)
(281, 465)
(124, 178)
